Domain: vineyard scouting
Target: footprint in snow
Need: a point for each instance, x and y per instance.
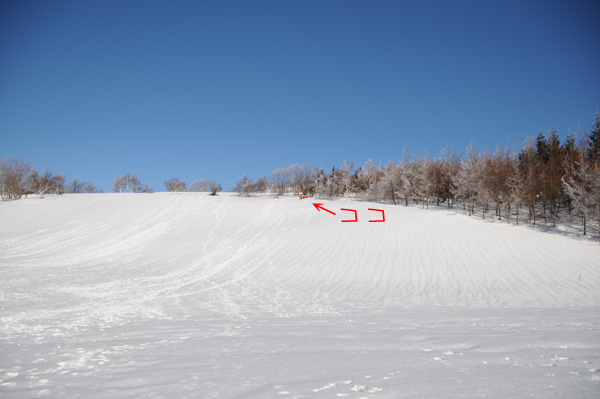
(328, 386)
(363, 388)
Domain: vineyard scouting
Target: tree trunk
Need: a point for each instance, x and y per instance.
(545, 221)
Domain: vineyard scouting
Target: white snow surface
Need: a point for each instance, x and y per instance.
(191, 296)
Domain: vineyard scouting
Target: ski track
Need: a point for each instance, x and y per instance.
(105, 285)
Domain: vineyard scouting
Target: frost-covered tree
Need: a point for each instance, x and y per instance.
(334, 186)
(548, 173)
(390, 183)
(553, 187)
(584, 190)
(346, 178)
(593, 151)
(360, 181)
(498, 175)
(299, 179)
(295, 174)
(306, 179)
(466, 180)
(408, 173)
(279, 181)
(371, 174)
(529, 173)
(321, 183)
(483, 183)
(516, 188)
(425, 180)
(449, 166)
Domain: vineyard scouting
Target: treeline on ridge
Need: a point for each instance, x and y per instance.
(19, 179)
(546, 180)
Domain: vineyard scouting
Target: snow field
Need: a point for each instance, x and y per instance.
(155, 295)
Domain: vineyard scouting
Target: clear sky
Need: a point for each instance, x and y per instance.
(218, 89)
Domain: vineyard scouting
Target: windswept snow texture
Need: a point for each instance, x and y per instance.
(190, 296)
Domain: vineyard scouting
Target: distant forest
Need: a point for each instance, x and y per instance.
(546, 180)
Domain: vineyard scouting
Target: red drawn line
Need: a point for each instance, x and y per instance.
(350, 210)
(382, 214)
(319, 207)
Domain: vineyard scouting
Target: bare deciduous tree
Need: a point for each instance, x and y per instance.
(13, 178)
(75, 186)
(279, 181)
(173, 185)
(118, 185)
(243, 186)
(90, 188)
(205, 185)
(42, 183)
(466, 178)
(129, 182)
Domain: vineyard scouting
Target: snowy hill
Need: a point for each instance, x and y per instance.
(98, 290)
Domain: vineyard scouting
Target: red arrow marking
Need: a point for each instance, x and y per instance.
(350, 210)
(382, 214)
(319, 207)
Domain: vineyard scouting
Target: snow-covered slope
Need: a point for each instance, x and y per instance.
(77, 263)
(243, 254)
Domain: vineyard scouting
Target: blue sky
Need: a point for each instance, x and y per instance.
(218, 89)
